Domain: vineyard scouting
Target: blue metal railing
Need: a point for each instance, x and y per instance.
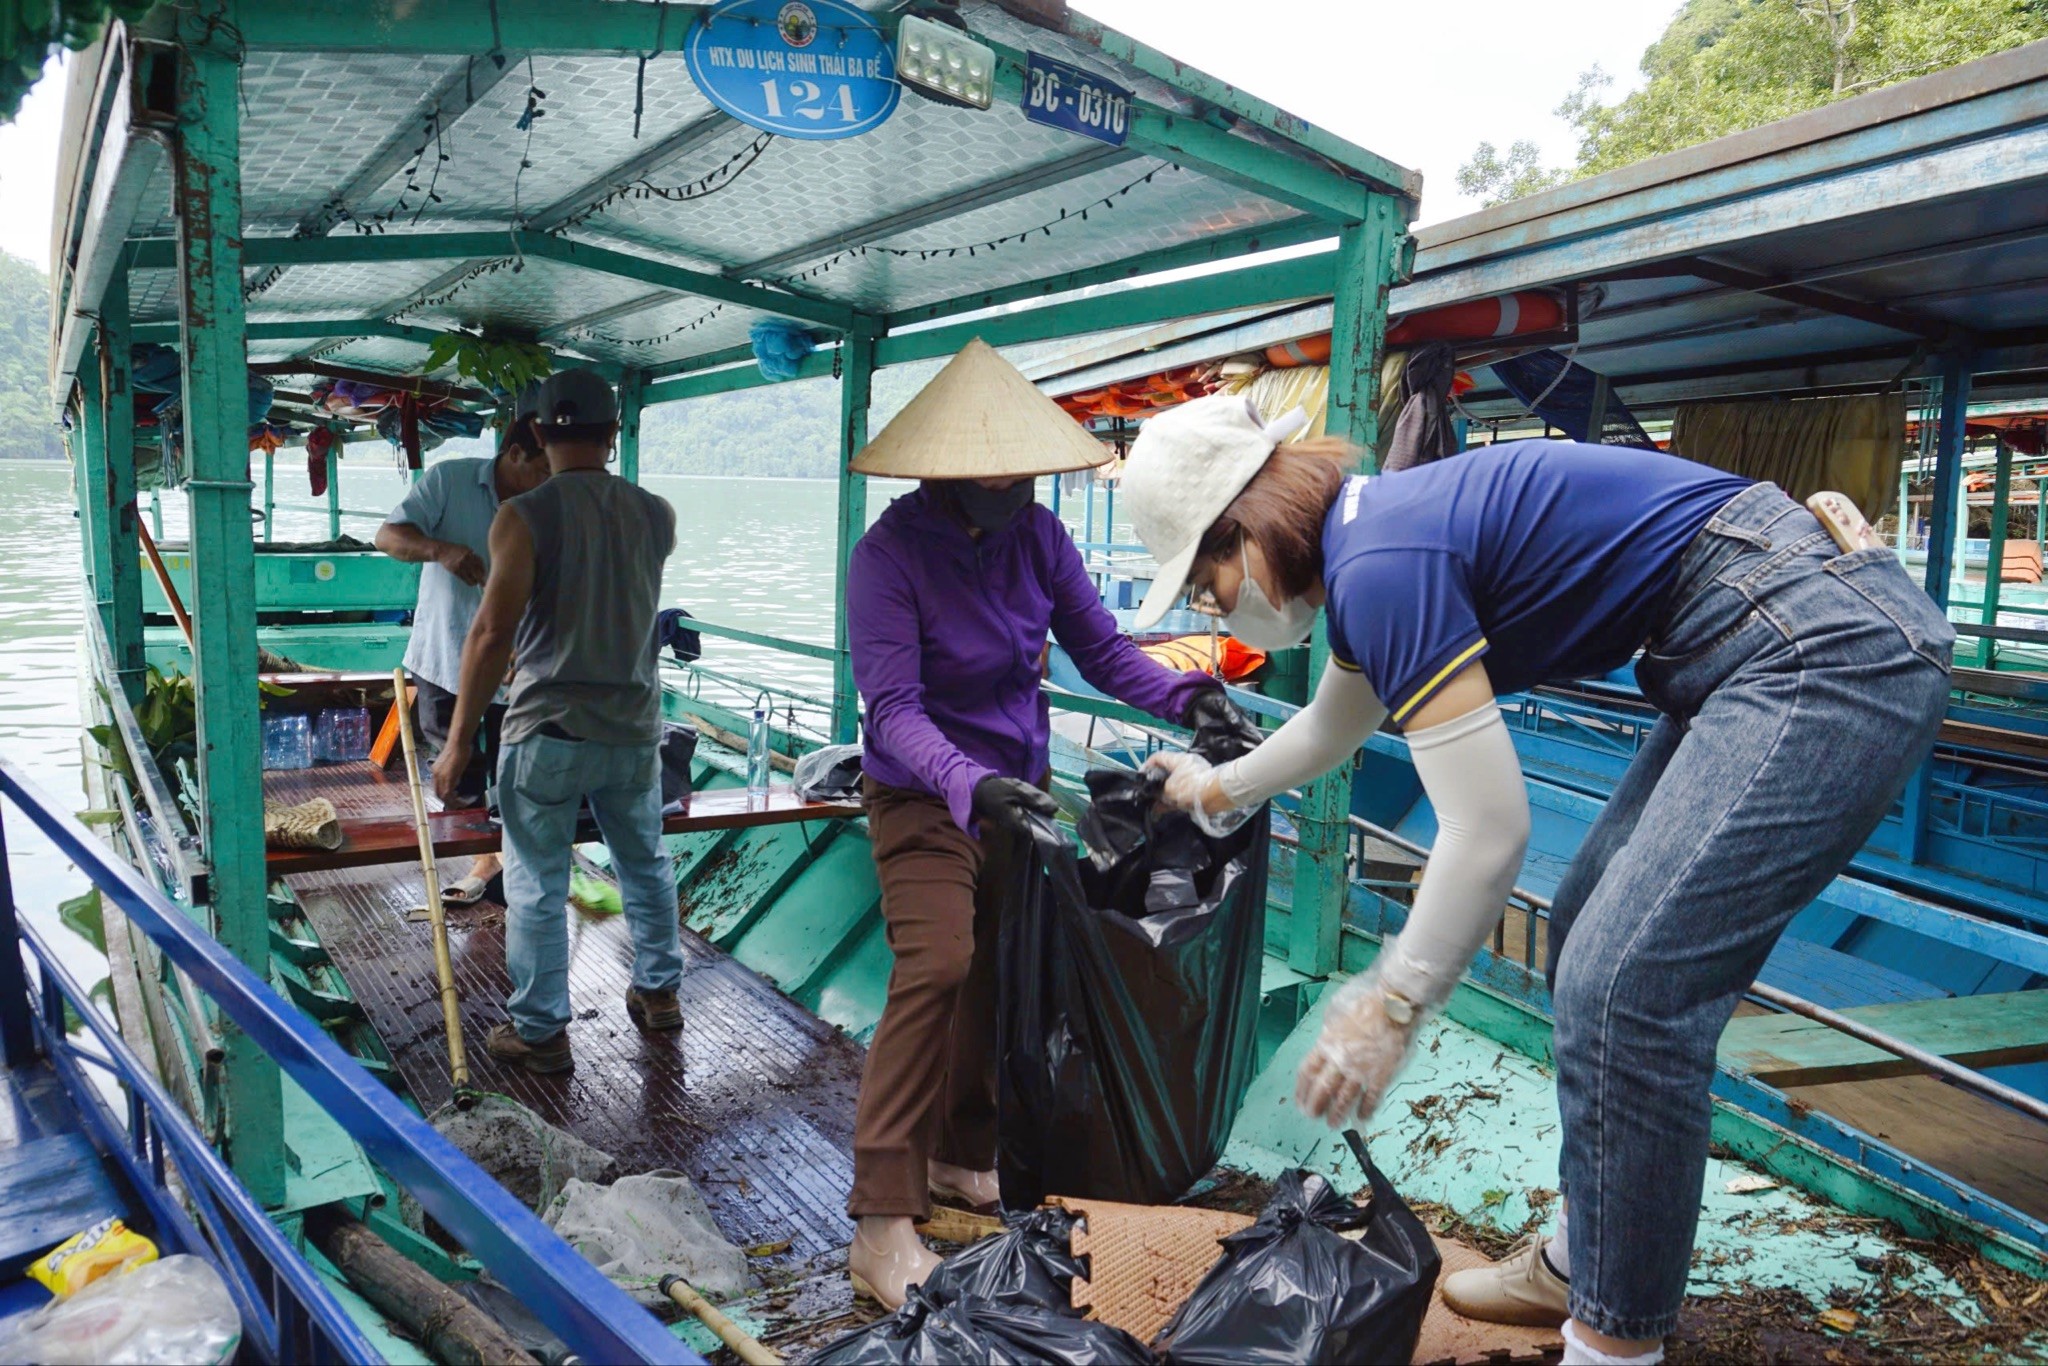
(288, 1312)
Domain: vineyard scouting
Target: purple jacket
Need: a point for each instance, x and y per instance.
(947, 634)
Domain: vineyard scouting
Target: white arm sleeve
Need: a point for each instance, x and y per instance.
(1338, 719)
(1474, 781)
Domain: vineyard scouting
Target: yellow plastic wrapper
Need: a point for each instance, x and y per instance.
(108, 1248)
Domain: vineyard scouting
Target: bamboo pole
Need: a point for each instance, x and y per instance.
(746, 1348)
(163, 581)
(451, 1004)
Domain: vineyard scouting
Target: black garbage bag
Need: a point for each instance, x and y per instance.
(1031, 1262)
(1291, 1288)
(1128, 1001)
(937, 1330)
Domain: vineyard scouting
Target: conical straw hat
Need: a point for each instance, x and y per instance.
(979, 418)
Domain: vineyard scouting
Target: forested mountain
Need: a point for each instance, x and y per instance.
(1725, 65)
(26, 432)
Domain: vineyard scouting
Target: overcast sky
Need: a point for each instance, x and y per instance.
(1419, 83)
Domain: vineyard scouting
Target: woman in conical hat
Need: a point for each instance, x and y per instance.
(950, 598)
(1801, 676)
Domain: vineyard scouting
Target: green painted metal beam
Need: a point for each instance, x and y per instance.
(856, 391)
(207, 176)
(710, 360)
(1310, 186)
(582, 28)
(1277, 282)
(792, 647)
(89, 469)
(123, 596)
(351, 248)
(1202, 252)
(348, 248)
(631, 385)
(1386, 175)
(540, 246)
(1994, 564)
(305, 329)
(1368, 257)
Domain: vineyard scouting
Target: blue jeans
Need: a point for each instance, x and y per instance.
(542, 782)
(1799, 688)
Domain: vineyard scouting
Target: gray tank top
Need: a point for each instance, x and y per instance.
(585, 647)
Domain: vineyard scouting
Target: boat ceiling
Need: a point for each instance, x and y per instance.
(335, 142)
(1844, 248)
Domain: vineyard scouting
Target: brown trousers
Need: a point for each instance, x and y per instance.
(929, 1087)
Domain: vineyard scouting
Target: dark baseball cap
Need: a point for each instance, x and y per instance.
(574, 398)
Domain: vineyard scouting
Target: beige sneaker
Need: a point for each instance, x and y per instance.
(1521, 1290)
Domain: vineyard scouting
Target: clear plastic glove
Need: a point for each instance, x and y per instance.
(1190, 779)
(1369, 1030)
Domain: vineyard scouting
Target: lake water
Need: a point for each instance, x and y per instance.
(755, 554)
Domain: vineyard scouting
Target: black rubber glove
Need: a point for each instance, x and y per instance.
(1222, 732)
(1011, 802)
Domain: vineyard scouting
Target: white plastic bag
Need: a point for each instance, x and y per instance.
(165, 1313)
(641, 1228)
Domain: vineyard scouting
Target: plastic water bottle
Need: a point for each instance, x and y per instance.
(757, 755)
(343, 735)
(287, 741)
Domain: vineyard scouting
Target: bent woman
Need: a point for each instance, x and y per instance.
(1798, 687)
(950, 599)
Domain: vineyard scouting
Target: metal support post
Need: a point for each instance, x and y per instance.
(1596, 413)
(122, 597)
(17, 1036)
(1367, 258)
(2041, 509)
(632, 385)
(223, 596)
(1994, 558)
(269, 496)
(89, 468)
(334, 492)
(1948, 474)
(856, 391)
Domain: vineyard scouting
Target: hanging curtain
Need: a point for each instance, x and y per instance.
(1282, 391)
(1852, 445)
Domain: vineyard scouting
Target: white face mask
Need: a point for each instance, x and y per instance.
(1257, 622)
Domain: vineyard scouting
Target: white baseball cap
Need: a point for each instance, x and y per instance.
(1187, 465)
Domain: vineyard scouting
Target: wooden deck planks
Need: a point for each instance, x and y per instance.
(1978, 1031)
(753, 1100)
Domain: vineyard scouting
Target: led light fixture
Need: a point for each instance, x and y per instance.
(944, 64)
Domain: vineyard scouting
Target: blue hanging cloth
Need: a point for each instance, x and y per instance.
(1560, 391)
(780, 347)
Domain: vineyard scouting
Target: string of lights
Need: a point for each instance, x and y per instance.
(704, 186)
(591, 334)
(1045, 229)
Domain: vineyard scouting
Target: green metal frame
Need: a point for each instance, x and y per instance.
(209, 189)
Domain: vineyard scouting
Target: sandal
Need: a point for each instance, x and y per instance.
(472, 890)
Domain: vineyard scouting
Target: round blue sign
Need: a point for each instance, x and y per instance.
(812, 69)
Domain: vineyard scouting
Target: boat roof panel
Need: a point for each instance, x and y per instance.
(334, 140)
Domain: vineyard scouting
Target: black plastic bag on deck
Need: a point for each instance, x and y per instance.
(1128, 1001)
(1031, 1262)
(1294, 1288)
(937, 1330)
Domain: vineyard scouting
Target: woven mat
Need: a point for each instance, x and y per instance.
(1147, 1259)
(1144, 1259)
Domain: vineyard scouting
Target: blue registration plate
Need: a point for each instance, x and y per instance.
(1070, 98)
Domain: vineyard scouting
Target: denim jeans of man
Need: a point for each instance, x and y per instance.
(542, 782)
(1799, 687)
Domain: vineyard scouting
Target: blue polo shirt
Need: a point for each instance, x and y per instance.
(1549, 558)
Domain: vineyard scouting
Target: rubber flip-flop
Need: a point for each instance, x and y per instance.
(959, 1200)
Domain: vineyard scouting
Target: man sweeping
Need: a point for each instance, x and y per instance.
(575, 586)
(443, 524)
